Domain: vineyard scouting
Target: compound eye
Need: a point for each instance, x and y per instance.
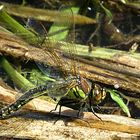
(103, 93)
(96, 92)
(97, 89)
(99, 93)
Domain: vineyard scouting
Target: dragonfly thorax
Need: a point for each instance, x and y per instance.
(85, 85)
(79, 88)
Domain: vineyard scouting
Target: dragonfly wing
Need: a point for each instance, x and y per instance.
(59, 32)
(50, 71)
(60, 88)
(39, 30)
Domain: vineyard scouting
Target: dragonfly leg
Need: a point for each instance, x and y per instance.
(81, 109)
(98, 107)
(92, 110)
(58, 104)
(55, 107)
(60, 110)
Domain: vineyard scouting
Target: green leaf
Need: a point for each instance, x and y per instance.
(59, 32)
(108, 13)
(20, 81)
(16, 27)
(116, 97)
(38, 77)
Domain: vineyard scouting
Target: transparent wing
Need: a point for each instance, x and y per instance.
(40, 31)
(66, 33)
(59, 32)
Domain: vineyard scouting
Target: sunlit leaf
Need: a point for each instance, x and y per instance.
(124, 1)
(115, 96)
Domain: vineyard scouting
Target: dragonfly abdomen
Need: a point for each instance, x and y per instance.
(7, 111)
(31, 94)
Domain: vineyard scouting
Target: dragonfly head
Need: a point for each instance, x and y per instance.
(98, 94)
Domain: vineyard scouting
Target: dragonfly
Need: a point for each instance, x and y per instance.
(71, 90)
